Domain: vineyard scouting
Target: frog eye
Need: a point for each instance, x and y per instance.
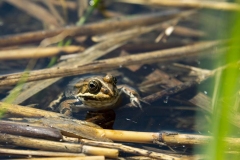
(94, 86)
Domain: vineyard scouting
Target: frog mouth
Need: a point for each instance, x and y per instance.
(93, 98)
(100, 99)
(96, 103)
(87, 98)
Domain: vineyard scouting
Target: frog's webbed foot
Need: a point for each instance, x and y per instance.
(133, 96)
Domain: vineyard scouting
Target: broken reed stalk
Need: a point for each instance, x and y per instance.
(225, 6)
(57, 146)
(26, 53)
(109, 64)
(131, 150)
(39, 153)
(89, 29)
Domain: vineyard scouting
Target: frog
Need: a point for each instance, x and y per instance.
(96, 93)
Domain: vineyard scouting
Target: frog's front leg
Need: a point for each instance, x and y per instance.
(132, 94)
(70, 106)
(65, 107)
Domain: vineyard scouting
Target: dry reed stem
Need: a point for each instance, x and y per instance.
(27, 111)
(38, 153)
(149, 46)
(82, 7)
(188, 32)
(178, 30)
(36, 11)
(89, 29)
(168, 138)
(64, 34)
(174, 138)
(57, 146)
(158, 77)
(30, 130)
(194, 71)
(54, 11)
(109, 64)
(139, 158)
(131, 150)
(183, 157)
(67, 4)
(80, 129)
(225, 6)
(74, 128)
(67, 126)
(135, 31)
(129, 136)
(25, 53)
(67, 158)
(171, 138)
